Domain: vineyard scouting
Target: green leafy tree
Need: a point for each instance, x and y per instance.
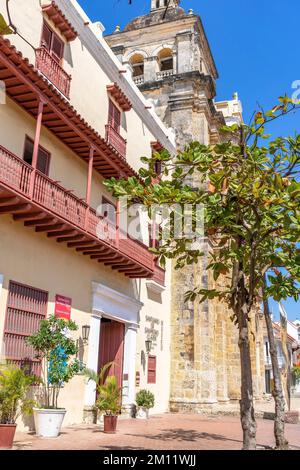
(251, 195)
(56, 349)
(14, 389)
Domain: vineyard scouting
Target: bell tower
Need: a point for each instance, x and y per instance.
(171, 62)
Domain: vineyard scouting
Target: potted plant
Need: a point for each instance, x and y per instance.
(144, 400)
(109, 402)
(14, 388)
(109, 396)
(55, 348)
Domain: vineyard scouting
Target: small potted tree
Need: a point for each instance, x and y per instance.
(14, 388)
(109, 402)
(56, 349)
(145, 401)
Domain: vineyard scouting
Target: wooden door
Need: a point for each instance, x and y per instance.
(112, 347)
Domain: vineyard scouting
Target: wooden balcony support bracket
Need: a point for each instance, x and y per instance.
(40, 221)
(29, 217)
(50, 228)
(4, 201)
(66, 238)
(104, 256)
(60, 233)
(14, 209)
(87, 246)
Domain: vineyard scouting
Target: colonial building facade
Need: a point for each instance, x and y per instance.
(71, 118)
(170, 59)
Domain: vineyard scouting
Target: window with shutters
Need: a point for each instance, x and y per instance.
(26, 307)
(114, 116)
(152, 370)
(43, 161)
(53, 44)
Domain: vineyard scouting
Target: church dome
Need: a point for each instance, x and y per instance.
(156, 16)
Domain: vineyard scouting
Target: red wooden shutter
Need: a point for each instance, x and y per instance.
(114, 116)
(26, 307)
(28, 150)
(152, 370)
(43, 161)
(57, 48)
(46, 37)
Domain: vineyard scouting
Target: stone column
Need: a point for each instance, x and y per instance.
(205, 331)
(129, 368)
(92, 363)
(221, 356)
(184, 52)
(150, 69)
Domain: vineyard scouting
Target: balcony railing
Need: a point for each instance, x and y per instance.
(159, 275)
(139, 80)
(164, 74)
(53, 71)
(116, 140)
(17, 175)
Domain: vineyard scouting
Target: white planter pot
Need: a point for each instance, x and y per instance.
(142, 412)
(48, 423)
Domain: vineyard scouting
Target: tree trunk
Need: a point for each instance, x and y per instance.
(246, 403)
(279, 422)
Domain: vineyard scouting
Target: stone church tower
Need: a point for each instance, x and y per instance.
(173, 66)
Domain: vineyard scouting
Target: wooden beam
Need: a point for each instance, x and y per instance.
(50, 228)
(81, 244)
(69, 239)
(28, 216)
(59, 233)
(12, 200)
(41, 221)
(14, 209)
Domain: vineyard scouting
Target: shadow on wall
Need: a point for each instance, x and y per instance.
(143, 361)
(68, 55)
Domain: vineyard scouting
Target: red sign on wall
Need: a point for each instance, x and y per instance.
(63, 307)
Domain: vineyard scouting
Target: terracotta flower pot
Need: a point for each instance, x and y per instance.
(7, 434)
(110, 424)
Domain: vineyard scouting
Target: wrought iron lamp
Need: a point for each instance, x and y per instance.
(86, 333)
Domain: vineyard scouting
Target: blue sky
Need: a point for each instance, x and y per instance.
(255, 44)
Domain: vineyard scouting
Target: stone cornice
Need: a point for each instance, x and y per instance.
(206, 80)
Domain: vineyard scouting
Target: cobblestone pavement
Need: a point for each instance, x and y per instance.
(163, 432)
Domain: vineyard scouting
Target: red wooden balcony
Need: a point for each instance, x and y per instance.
(36, 200)
(53, 71)
(116, 140)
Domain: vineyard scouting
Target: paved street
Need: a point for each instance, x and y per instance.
(163, 432)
